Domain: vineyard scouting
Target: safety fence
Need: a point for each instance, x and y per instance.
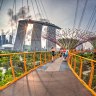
(16, 65)
(85, 70)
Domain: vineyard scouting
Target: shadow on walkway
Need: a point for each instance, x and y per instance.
(47, 83)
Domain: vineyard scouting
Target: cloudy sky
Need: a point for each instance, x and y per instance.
(59, 12)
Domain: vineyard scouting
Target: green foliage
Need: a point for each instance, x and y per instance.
(4, 62)
(6, 52)
(86, 55)
(18, 64)
(7, 77)
(94, 82)
(0, 75)
(87, 67)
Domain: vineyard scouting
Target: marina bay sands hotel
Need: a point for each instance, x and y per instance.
(36, 34)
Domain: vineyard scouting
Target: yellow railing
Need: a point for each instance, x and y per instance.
(84, 70)
(82, 51)
(18, 65)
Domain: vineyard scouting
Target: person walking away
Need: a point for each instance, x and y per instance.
(53, 53)
(64, 50)
(66, 54)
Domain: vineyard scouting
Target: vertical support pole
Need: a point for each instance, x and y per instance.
(11, 64)
(74, 62)
(40, 58)
(34, 59)
(91, 74)
(80, 74)
(45, 57)
(25, 67)
(69, 58)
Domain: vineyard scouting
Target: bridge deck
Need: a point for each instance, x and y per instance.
(45, 82)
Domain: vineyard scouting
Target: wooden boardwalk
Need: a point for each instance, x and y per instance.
(59, 81)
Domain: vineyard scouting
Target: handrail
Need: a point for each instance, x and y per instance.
(82, 51)
(77, 64)
(20, 64)
(22, 53)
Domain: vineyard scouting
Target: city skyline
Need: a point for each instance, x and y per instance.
(60, 12)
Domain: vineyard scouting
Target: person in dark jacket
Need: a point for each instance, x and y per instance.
(53, 53)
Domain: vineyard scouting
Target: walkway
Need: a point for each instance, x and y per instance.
(54, 79)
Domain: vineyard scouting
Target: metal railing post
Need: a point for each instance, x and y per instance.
(91, 74)
(34, 59)
(25, 67)
(11, 64)
(45, 57)
(69, 58)
(74, 63)
(40, 58)
(80, 74)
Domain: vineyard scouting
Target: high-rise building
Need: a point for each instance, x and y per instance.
(6, 41)
(10, 39)
(36, 37)
(36, 34)
(51, 32)
(20, 37)
(3, 39)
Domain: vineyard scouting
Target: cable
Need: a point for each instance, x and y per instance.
(81, 19)
(93, 25)
(11, 19)
(91, 19)
(77, 5)
(89, 23)
(75, 15)
(44, 10)
(16, 21)
(28, 9)
(83, 12)
(15, 13)
(28, 5)
(38, 9)
(1, 4)
(22, 9)
(33, 9)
